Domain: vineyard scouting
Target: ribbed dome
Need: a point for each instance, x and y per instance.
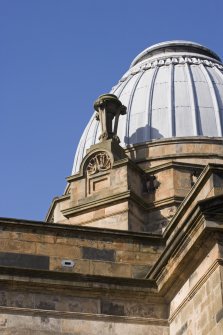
(172, 89)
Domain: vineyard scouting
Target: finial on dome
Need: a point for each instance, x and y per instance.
(108, 107)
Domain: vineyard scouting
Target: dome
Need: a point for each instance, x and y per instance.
(172, 89)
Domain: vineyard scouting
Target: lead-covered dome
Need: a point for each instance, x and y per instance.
(172, 89)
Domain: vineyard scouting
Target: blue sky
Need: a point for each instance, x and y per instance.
(56, 57)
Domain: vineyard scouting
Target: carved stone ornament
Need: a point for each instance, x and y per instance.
(170, 60)
(109, 107)
(101, 161)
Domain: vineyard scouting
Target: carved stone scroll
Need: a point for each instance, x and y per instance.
(101, 161)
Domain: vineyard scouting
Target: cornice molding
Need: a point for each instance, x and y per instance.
(176, 140)
(74, 230)
(83, 316)
(127, 195)
(166, 61)
(76, 281)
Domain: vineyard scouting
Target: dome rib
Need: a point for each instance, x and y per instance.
(220, 101)
(194, 106)
(171, 102)
(129, 109)
(96, 129)
(123, 84)
(150, 104)
(214, 99)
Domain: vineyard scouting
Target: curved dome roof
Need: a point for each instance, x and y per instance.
(172, 89)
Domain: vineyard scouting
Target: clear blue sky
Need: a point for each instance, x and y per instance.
(56, 57)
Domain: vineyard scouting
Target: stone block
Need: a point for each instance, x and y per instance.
(65, 251)
(17, 246)
(78, 242)
(66, 303)
(110, 269)
(116, 208)
(16, 299)
(27, 325)
(118, 244)
(135, 257)
(31, 237)
(151, 248)
(117, 221)
(112, 308)
(146, 310)
(24, 261)
(80, 266)
(98, 254)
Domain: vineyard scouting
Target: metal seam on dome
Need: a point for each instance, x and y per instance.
(171, 107)
(150, 100)
(193, 99)
(220, 75)
(95, 133)
(128, 116)
(116, 87)
(214, 99)
(124, 85)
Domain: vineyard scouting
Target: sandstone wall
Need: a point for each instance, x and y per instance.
(197, 309)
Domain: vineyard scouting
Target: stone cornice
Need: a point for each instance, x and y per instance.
(186, 155)
(83, 316)
(76, 281)
(75, 231)
(173, 164)
(117, 198)
(53, 204)
(175, 140)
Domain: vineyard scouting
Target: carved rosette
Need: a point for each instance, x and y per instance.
(101, 161)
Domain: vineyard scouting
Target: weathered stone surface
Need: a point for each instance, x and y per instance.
(203, 311)
(140, 271)
(17, 246)
(57, 250)
(110, 269)
(24, 261)
(93, 254)
(98, 254)
(112, 308)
